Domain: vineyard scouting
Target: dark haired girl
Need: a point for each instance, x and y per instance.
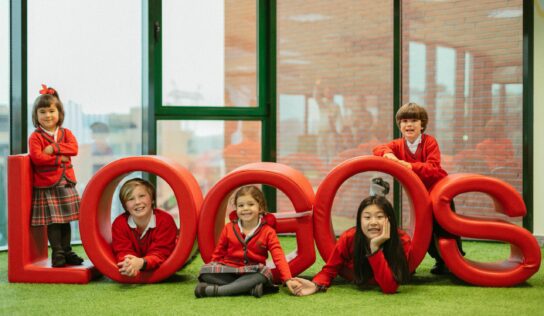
(375, 251)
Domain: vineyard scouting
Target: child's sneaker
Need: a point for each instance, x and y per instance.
(58, 259)
(440, 268)
(257, 290)
(73, 259)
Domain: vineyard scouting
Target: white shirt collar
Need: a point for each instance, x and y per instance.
(52, 134)
(152, 224)
(252, 231)
(413, 146)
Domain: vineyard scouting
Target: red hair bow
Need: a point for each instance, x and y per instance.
(46, 90)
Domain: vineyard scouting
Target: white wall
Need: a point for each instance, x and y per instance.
(538, 185)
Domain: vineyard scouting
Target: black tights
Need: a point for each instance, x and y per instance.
(231, 284)
(60, 236)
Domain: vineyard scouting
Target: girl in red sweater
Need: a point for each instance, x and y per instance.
(374, 252)
(238, 262)
(143, 237)
(55, 201)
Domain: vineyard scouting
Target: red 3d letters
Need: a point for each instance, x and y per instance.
(288, 180)
(525, 254)
(311, 220)
(420, 226)
(95, 226)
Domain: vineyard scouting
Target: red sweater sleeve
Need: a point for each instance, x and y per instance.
(37, 156)
(334, 263)
(67, 145)
(278, 256)
(429, 169)
(120, 239)
(391, 147)
(381, 270)
(220, 250)
(163, 242)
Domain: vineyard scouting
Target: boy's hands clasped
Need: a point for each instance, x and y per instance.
(131, 266)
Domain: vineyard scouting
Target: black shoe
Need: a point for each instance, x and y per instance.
(200, 290)
(58, 259)
(73, 259)
(440, 268)
(257, 291)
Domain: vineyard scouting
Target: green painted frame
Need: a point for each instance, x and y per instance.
(266, 110)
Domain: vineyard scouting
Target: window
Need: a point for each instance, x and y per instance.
(209, 53)
(472, 67)
(96, 68)
(4, 116)
(335, 88)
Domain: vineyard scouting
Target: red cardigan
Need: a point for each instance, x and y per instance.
(49, 169)
(156, 246)
(425, 162)
(233, 250)
(342, 256)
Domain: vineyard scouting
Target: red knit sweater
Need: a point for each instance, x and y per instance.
(48, 169)
(425, 162)
(342, 256)
(156, 246)
(232, 250)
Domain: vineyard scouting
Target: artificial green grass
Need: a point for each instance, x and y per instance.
(425, 295)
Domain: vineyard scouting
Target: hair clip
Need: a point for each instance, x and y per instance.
(46, 90)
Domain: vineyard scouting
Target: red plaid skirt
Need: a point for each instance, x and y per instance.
(216, 267)
(55, 205)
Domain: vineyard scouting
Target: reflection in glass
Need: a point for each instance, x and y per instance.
(334, 90)
(208, 149)
(4, 116)
(209, 53)
(472, 86)
(97, 77)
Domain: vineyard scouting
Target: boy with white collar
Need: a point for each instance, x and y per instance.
(420, 153)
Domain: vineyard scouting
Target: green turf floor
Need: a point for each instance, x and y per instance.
(425, 295)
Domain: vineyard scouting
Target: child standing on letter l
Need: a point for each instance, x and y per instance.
(55, 201)
(420, 153)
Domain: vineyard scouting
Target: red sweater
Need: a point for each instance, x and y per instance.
(48, 169)
(233, 250)
(342, 256)
(425, 162)
(156, 246)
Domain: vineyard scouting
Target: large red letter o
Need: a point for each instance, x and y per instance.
(525, 255)
(421, 224)
(290, 181)
(95, 224)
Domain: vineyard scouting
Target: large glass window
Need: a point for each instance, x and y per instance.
(4, 116)
(208, 149)
(466, 69)
(96, 68)
(335, 90)
(209, 53)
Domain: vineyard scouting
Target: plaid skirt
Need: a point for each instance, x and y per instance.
(55, 205)
(216, 267)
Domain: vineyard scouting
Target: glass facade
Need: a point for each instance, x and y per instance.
(334, 87)
(4, 116)
(209, 53)
(335, 90)
(466, 69)
(209, 149)
(98, 79)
